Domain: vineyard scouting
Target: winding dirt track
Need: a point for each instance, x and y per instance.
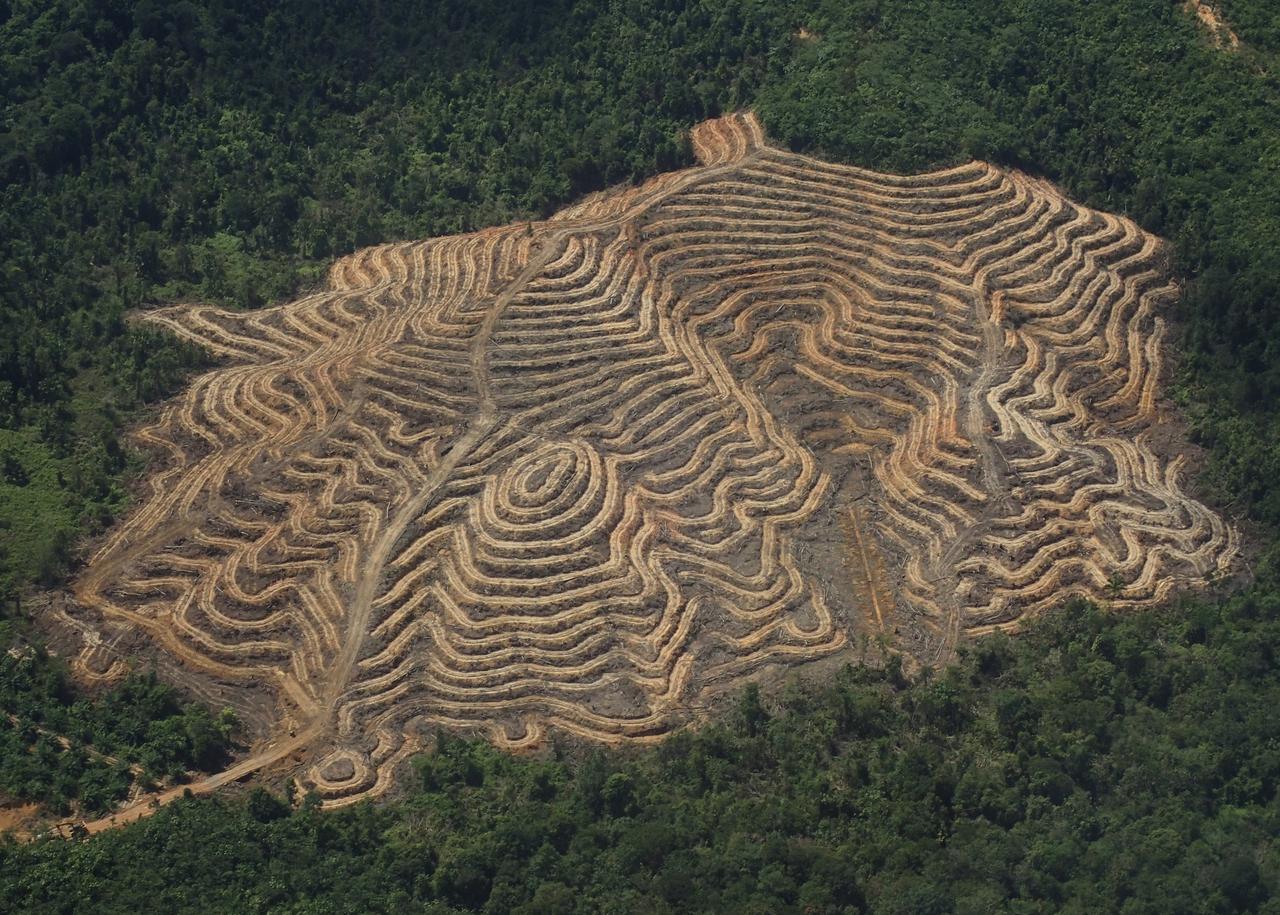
(586, 474)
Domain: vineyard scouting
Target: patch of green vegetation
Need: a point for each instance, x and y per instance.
(63, 749)
(36, 525)
(1256, 22)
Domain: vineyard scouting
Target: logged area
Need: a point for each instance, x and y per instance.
(586, 475)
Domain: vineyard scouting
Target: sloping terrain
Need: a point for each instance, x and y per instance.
(585, 475)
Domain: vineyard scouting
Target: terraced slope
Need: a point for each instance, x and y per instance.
(586, 474)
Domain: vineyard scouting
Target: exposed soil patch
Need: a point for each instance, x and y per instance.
(17, 818)
(589, 475)
(1219, 31)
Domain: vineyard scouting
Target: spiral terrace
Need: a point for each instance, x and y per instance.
(583, 475)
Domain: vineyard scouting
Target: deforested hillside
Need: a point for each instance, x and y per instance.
(584, 475)
(775, 437)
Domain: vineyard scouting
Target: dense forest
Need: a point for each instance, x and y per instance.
(224, 151)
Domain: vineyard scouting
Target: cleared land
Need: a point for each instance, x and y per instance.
(1219, 31)
(587, 474)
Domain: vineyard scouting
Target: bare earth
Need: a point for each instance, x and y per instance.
(1220, 33)
(586, 475)
(16, 817)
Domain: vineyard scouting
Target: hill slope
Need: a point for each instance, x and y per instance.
(588, 474)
